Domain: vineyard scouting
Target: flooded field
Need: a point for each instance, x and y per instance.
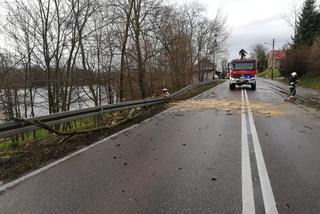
(81, 98)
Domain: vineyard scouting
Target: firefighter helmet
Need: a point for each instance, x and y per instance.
(293, 74)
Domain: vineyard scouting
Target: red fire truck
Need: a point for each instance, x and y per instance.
(242, 72)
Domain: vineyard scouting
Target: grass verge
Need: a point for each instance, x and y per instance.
(198, 90)
(310, 82)
(267, 73)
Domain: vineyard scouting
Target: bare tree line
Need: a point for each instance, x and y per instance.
(107, 51)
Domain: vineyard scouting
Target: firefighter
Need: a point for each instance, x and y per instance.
(293, 82)
(243, 53)
(164, 94)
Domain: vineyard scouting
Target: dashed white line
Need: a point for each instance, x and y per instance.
(268, 197)
(248, 206)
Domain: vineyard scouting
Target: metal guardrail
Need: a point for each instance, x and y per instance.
(12, 128)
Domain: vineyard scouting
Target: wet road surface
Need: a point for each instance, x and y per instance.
(197, 157)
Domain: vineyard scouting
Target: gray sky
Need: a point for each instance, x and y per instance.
(2, 17)
(250, 21)
(254, 21)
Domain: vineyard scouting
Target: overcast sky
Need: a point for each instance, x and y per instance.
(250, 21)
(253, 21)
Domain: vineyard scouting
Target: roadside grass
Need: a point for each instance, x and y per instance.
(307, 82)
(12, 143)
(267, 73)
(310, 82)
(198, 90)
(9, 144)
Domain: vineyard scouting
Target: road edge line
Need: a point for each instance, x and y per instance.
(13, 183)
(29, 175)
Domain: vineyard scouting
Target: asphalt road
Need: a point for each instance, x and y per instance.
(209, 155)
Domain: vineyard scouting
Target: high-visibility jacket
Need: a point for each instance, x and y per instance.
(293, 82)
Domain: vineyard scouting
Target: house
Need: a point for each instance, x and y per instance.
(278, 56)
(203, 71)
(205, 66)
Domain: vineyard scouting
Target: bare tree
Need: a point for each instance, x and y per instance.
(68, 53)
(292, 16)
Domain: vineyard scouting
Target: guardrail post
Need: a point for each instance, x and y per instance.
(95, 121)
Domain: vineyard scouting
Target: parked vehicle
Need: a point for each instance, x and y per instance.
(242, 72)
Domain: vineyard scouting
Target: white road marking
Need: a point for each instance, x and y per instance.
(268, 197)
(247, 187)
(6, 186)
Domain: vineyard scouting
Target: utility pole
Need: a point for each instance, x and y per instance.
(273, 60)
(214, 56)
(214, 65)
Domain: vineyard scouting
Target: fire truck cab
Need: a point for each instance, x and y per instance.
(242, 72)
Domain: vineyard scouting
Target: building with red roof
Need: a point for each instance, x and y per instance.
(278, 56)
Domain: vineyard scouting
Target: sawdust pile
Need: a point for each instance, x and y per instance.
(228, 105)
(267, 109)
(201, 104)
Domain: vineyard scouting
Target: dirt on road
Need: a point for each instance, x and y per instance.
(31, 155)
(228, 105)
(37, 153)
